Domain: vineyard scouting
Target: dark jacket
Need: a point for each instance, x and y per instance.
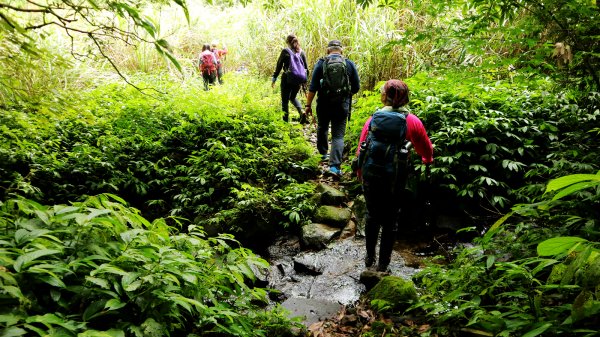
(317, 76)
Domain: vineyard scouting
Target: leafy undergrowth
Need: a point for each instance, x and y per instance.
(222, 159)
(361, 320)
(496, 143)
(98, 268)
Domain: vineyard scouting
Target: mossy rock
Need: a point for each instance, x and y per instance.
(330, 195)
(333, 216)
(396, 291)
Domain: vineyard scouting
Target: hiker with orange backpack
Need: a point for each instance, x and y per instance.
(219, 54)
(207, 64)
(292, 61)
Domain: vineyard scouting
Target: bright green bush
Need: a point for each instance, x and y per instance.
(188, 155)
(99, 266)
(496, 144)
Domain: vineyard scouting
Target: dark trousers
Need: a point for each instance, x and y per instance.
(220, 74)
(209, 79)
(383, 206)
(336, 115)
(288, 94)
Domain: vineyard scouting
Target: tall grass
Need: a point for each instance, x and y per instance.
(385, 42)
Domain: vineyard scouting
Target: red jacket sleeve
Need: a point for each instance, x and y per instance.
(363, 135)
(416, 134)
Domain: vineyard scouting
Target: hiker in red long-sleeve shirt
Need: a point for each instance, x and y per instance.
(382, 166)
(220, 56)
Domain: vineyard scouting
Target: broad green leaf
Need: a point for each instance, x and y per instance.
(131, 234)
(24, 235)
(94, 310)
(538, 331)
(10, 319)
(102, 283)
(14, 292)
(494, 228)
(573, 188)
(108, 269)
(558, 245)
(28, 258)
(12, 332)
(114, 304)
(490, 261)
(48, 276)
(107, 333)
(96, 213)
(562, 182)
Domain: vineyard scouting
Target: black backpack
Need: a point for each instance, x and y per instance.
(336, 82)
(384, 157)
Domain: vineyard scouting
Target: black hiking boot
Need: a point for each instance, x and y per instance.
(369, 261)
(286, 117)
(303, 118)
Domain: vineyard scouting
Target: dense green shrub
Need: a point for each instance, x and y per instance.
(529, 275)
(496, 144)
(99, 266)
(166, 158)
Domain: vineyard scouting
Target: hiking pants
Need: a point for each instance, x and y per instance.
(383, 206)
(220, 74)
(336, 116)
(288, 94)
(209, 79)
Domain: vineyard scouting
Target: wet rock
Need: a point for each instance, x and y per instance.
(370, 278)
(261, 276)
(348, 231)
(333, 216)
(330, 195)
(284, 246)
(396, 291)
(308, 265)
(311, 310)
(317, 235)
(359, 208)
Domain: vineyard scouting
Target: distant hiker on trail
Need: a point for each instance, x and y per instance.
(295, 72)
(382, 166)
(335, 78)
(219, 54)
(207, 64)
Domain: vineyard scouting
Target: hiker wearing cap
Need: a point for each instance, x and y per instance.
(382, 166)
(292, 61)
(219, 55)
(335, 79)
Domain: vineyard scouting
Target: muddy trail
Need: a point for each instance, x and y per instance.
(325, 287)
